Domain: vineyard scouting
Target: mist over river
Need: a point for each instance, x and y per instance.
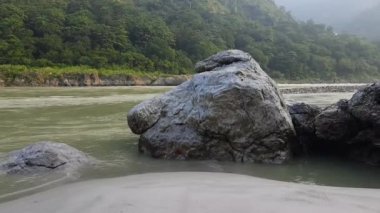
(93, 120)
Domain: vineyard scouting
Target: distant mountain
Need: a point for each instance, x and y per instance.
(337, 13)
(366, 24)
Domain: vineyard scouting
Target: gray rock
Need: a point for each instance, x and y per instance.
(44, 157)
(349, 127)
(303, 117)
(335, 123)
(144, 116)
(236, 113)
(365, 105)
(222, 58)
(365, 147)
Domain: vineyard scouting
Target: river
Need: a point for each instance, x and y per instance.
(94, 121)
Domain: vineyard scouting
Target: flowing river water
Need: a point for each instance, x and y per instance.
(93, 120)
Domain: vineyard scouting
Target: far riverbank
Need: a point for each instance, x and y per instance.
(79, 76)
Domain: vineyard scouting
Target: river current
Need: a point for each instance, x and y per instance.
(93, 120)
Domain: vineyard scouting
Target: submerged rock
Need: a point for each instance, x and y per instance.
(44, 157)
(232, 110)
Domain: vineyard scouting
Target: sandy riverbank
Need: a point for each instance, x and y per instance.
(195, 192)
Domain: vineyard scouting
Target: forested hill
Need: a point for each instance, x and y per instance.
(171, 35)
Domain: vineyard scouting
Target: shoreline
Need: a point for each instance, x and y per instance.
(172, 81)
(322, 88)
(194, 192)
(35, 79)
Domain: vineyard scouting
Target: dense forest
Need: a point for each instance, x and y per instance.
(171, 35)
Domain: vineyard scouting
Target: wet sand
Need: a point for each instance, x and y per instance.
(196, 193)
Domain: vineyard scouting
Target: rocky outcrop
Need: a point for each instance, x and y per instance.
(124, 81)
(349, 127)
(232, 110)
(171, 80)
(44, 157)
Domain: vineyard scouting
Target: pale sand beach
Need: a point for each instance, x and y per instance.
(196, 193)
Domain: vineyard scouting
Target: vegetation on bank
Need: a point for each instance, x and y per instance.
(9, 73)
(169, 36)
(18, 71)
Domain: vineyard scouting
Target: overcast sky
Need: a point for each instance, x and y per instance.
(331, 12)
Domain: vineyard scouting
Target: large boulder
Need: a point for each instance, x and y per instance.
(232, 110)
(44, 157)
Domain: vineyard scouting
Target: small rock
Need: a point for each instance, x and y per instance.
(44, 157)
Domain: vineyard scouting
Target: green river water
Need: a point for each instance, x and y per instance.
(93, 120)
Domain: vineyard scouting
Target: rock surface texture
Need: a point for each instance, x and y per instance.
(231, 110)
(364, 106)
(303, 117)
(44, 157)
(349, 127)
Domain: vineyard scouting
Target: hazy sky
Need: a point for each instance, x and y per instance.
(331, 12)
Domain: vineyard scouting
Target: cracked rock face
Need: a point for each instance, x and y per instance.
(364, 106)
(303, 117)
(335, 123)
(44, 157)
(232, 110)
